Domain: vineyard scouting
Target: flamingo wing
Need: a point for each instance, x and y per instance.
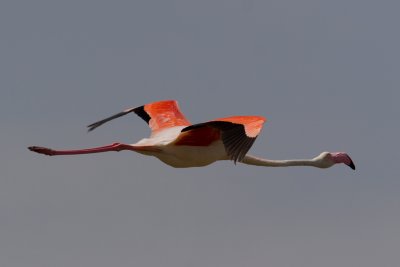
(237, 133)
(158, 115)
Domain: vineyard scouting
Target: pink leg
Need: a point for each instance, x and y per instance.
(112, 147)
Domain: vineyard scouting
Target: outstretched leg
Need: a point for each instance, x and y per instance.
(112, 147)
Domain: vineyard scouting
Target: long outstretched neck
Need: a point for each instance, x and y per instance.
(323, 160)
(252, 160)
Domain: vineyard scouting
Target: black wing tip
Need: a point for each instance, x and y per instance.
(141, 112)
(93, 126)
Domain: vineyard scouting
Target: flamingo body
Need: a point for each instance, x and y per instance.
(166, 146)
(178, 143)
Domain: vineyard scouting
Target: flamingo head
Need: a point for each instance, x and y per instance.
(328, 159)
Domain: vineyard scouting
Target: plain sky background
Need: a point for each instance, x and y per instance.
(325, 73)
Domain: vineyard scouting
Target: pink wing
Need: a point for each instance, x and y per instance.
(252, 124)
(237, 133)
(164, 114)
(158, 115)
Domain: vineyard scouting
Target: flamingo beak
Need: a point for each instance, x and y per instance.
(342, 157)
(351, 163)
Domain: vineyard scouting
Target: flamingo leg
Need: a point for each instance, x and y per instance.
(112, 147)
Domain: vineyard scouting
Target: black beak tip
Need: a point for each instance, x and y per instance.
(351, 165)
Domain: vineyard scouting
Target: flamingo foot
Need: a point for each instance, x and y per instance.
(42, 150)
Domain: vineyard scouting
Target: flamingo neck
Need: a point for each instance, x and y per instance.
(252, 160)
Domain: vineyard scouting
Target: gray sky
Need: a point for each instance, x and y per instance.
(324, 73)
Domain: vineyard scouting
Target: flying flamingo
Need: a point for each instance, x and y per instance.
(178, 143)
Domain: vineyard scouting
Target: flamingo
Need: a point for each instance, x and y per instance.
(178, 143)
